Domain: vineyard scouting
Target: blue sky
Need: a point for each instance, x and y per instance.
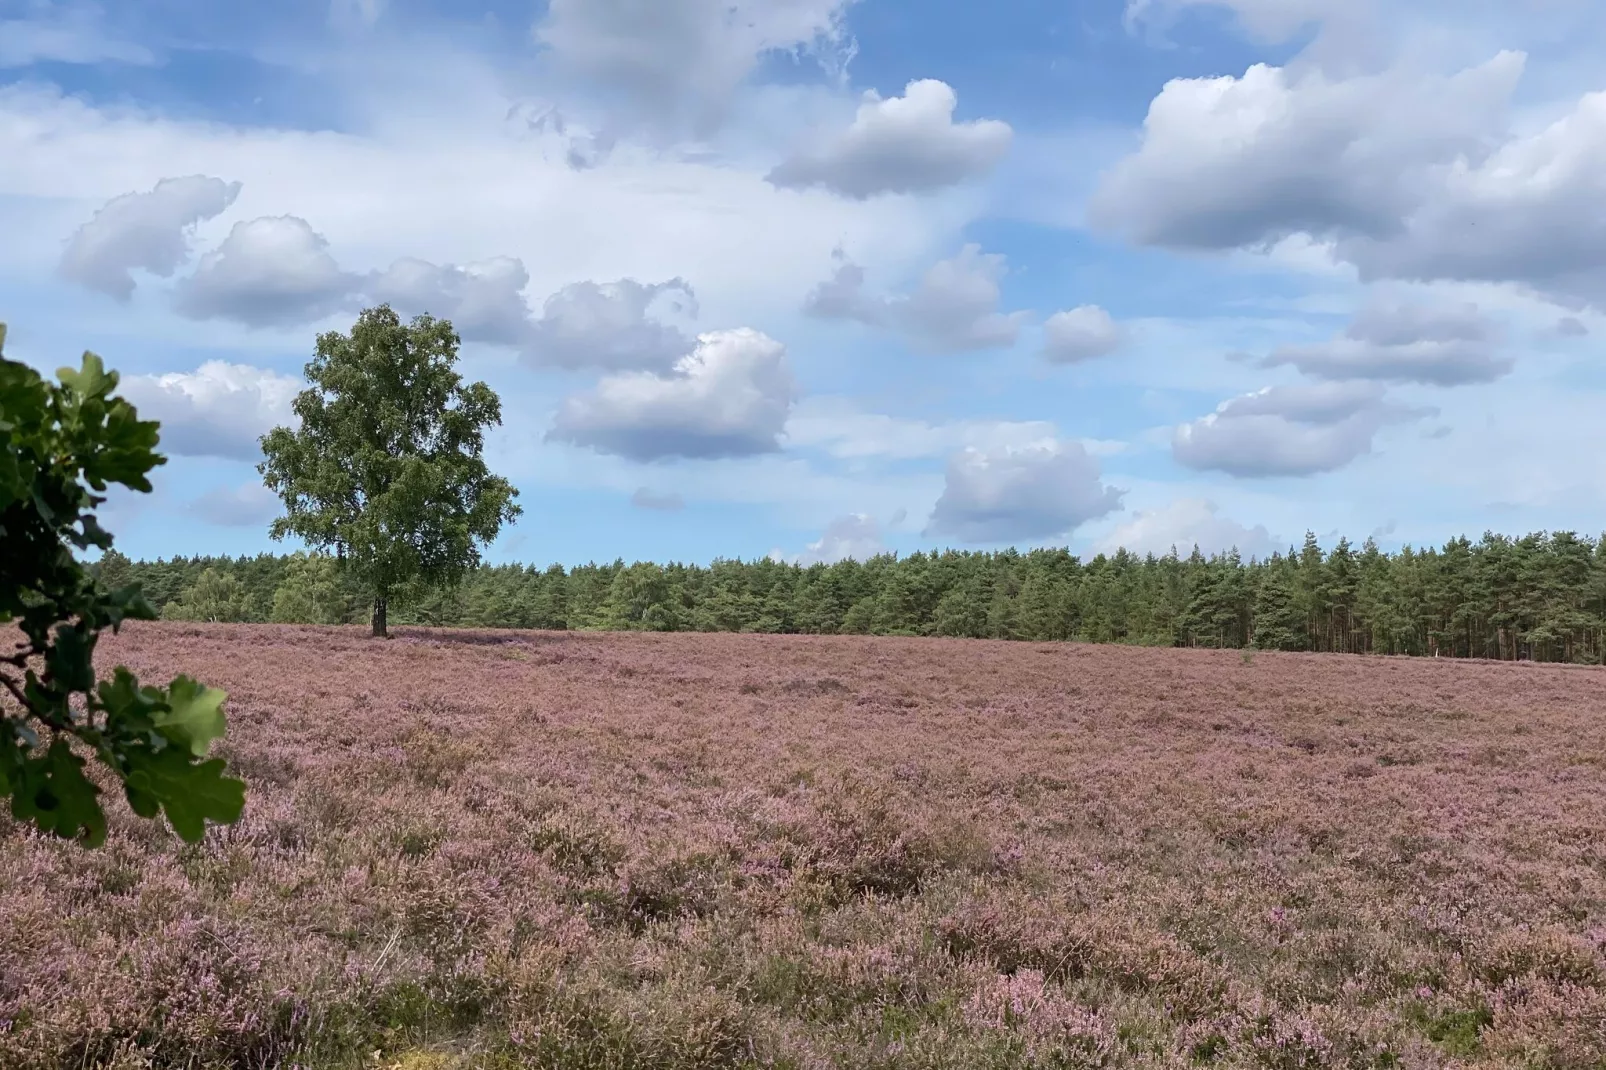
(824, 277)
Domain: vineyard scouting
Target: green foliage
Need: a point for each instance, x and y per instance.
(1278, 620)
(1459, 1032)
(386, 469)
(312, 592)
(63, 444)
(639, 599)
(216, 596)
(1540, 597)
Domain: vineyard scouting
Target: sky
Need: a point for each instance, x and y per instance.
(828, 278)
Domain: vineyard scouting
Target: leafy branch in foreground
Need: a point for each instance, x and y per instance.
(61, 445)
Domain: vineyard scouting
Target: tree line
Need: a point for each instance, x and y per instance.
(1541, 597)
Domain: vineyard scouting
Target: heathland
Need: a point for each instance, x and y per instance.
(696, 851)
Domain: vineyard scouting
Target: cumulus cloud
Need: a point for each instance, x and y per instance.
(843, 297)
(268, 272)
(611, 326)
(1289, 430)
(247, 506)
(484, 301)
(1405, 344)
(856, 535)
(907, 144)
(1079, 334)
(729, 397)
(646, 498)
(1526, 213)
(954, 308)
(150, 231)
(277, 271)
(955, 305)
(218, 410)
(1571, 327)
(666, 214)
(680, 60)
(1016, 493)
(1184, 524)
(1228, 162)
(1402, 175)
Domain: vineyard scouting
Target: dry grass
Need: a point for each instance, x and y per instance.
(700, 851)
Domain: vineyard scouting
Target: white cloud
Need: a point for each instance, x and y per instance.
(954, 308)
(856, 535)
(842, 296)
(1448, 346)
(907, 144)
(245, 506)
(647, 498)
(678, 61)
(273, 271)
(1033, 492)
(70, 33)
(728, 398)
(1402, 175)
(150, 231)
(643, 215)
(1528, 212)
(611, 326)
(1184, 524)
(279, 271)
(1289, 430)
(842, 429)
(484, 301)
(1247, 161)
(218, 410)
(1079, 334)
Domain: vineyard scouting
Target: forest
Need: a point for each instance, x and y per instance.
(1541, 597)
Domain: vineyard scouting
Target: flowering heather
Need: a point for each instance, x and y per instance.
(691, 851)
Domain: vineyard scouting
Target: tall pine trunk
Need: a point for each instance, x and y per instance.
(379, 619)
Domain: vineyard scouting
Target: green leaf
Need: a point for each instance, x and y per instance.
(123, 699)
(89, 380)
(194, 717)
(71, 659)
(52, 792)
(190, 793)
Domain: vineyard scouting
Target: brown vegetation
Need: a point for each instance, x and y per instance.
(640, 850)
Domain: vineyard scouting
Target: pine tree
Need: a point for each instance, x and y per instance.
(1279, 622)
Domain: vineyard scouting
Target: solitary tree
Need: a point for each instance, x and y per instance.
(386, 469)
(61, 444)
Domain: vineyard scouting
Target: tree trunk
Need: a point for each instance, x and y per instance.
(379, 619)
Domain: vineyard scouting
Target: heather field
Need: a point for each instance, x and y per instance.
(508, 849)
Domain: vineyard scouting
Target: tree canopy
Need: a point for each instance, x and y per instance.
(1540, 597)
(386, 469)
(61, 445)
